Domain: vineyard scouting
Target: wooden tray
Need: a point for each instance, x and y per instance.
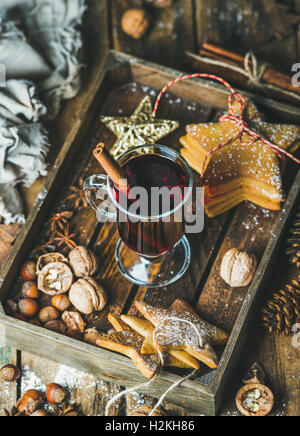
(121, 85)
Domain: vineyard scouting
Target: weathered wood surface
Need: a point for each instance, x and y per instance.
(184, 26)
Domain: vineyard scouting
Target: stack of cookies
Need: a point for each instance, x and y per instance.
(241, 170)
(182, 337)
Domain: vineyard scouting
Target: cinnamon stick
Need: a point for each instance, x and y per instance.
(280, 81)
(110, 166)
(271, 76)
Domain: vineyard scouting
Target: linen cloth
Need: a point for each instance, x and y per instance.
(40, 47)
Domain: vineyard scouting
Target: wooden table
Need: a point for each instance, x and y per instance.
(183, 26)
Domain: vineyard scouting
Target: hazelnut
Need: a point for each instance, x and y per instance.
(48, 313)
(83, 262)
(10, 373)
(30, 290)
(11, 306)
(255, 400)
(28, 307)
(35, 322)
(40, 413)
(55, 278)
(91, 336)
(74, 334)
(238, 268)
(87, 296)
(160, 3)
(135, 23)
(30, 402)
(56, 326)
(61, 302)
(73, 321)
(55, 394)
(28, 270)
(19, 316)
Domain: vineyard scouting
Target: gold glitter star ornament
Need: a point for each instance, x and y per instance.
(141, 128)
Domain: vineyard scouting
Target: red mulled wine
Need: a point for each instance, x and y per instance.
(148, 238)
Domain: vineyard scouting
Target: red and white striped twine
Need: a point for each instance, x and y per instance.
(229, 117)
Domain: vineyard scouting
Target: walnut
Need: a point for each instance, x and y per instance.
(83, 262)
(238, 268)
(255, 400)
(135, 23)
(49, 258)
(73, 321)
(55, 278)
(87, 296)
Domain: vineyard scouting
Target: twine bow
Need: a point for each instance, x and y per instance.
(159, 371)
(231, 116)
(255, 73)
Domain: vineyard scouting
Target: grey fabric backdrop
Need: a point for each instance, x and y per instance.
(40, 46)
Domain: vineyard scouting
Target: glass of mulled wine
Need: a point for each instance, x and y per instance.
(152, 250)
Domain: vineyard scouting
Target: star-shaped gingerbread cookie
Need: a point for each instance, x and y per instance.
(146, 329)
(181, 328)
(141, 128)
(128, 342)
(242, 170)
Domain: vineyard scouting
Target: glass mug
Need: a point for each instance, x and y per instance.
(152, 250)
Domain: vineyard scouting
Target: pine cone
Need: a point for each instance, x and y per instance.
(293, 243)
(283, 309)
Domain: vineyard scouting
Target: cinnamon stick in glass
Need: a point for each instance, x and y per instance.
(111, 166)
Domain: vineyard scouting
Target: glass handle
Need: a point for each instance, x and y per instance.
(96, 193)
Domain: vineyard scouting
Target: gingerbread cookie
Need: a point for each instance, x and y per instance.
(241, 170)
(128, 342)
(146, 329)
(183, 330)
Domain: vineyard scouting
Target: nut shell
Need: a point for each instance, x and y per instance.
(40, 413)
(83, 262)
(28, 307)
(55, 393)
(10, 373)
(264, 404)
(73, 321)
(30, 290)
(56, 326)
(160, 3)
(49, 258)
(61, 302)
(88, 296)
(135, 23)
(238, 268)
(28, 270)
(55, 278)
(19, 316)
(30, 402)
(48, 313)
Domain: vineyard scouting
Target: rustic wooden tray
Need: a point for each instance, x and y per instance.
(121, 85)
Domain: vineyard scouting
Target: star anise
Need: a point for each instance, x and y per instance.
(48, 247)
(59, 220)
(77, 196)
(13, 412)
(65, 409)
(65, 238)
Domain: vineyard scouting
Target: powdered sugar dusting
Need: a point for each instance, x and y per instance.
(31, 381)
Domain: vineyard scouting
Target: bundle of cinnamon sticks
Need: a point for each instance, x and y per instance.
(245, 75)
